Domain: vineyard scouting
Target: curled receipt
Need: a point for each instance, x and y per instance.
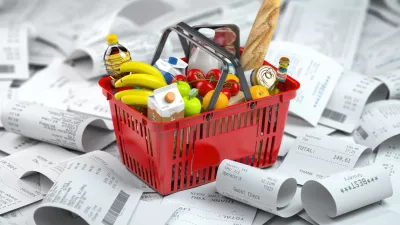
(69, 130)
(327, 200)
(262, 189)
(379, 122)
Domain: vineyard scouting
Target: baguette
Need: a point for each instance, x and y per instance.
(260, 35)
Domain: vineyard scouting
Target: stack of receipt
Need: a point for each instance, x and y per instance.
(339, 161)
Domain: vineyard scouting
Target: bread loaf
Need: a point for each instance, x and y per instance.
(260, 35)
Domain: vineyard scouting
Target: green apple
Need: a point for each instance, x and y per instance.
(192, 103)
(183, 87)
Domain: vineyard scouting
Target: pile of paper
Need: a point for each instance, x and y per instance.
(339, 161)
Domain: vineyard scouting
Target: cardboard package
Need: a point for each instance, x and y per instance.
(166, 104)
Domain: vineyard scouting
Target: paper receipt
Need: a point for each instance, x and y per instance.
(341, 193)
(268, 191)
(379, 122)
(73, 131)
(316, 156)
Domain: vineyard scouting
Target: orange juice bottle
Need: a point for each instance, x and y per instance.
(115, 56)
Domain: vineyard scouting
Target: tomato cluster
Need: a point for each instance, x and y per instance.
(207, 82)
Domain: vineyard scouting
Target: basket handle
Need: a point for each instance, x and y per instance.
(200, 38)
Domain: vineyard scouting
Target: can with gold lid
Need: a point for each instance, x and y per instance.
(265, 76)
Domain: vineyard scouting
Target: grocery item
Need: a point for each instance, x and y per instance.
(282, 69)
(232, 77)
(265, 76)
(239, 98)
(201, 59)
(137, 92)
(194, 76)
(192, 104)
(228, 37)
(213, 76)
(260, 35)
(222, 100)
(178, 77)
(204, 87)
(166, 104)
(167, 69)
(142, 80)
(275, 91)
(258, 91)
(233, 86)
(227, 92)
(143, 68)
(178, 64)
(114, 56)
(183, 87)
(135, 100)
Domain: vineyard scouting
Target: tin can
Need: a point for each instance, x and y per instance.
(282, 69)
(284, 63)
(265, 76)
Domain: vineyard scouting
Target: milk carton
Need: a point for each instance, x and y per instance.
(166, 104)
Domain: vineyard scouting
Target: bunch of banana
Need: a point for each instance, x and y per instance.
(145, 76)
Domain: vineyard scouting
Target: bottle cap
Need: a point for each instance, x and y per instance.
(112, 39)
(170, 97)
(172, 60)
(208, 32)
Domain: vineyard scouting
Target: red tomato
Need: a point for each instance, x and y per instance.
(227, 92)
(204, 87)
(233, 86)
(213, 76)
(178, 77)
(194, 76)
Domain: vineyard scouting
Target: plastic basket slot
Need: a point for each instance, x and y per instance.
(206, 131)
(180, 176)
(153, 168)
(147, 176)
(150, 143)
(268, 149)
(276, 117)
(270, 120)
(185, 142)
(185, 180)
(203, 176)
(259, 147)
(136, 126)
(116, 121)
(210, 169)
(129, 120)
(133, 127)
(173, 178)
(262, 120)
(124, 116)
(271, 150)
(253, 116)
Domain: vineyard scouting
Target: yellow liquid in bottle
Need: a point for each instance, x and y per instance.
(114, 57)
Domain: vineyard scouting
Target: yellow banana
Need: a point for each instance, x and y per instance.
(141, 67)
(135, 100)
(138, 92)
(142, 80)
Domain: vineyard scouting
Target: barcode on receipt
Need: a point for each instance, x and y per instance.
(116, 208)
(364, 135)
(7, 68)
(333, 115)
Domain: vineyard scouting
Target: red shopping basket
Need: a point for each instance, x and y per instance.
(186, 153)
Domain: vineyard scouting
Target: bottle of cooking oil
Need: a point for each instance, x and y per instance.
(115, 56)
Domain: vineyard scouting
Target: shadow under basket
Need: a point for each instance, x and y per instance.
(186, 153)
